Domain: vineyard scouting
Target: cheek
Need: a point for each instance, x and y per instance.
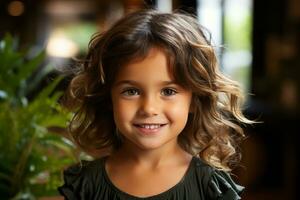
(123, 112)
(180, 110)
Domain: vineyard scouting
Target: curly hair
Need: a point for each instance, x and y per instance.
(214, 125)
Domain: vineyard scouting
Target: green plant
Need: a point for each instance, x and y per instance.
(32, 155)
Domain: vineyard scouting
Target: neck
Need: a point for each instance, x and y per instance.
(149, 157)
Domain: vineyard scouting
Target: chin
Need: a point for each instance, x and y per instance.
(150, 145)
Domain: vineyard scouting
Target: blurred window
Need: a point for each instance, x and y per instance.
(70, 39)
(230, 23)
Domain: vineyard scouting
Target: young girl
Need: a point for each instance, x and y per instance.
(150, 95)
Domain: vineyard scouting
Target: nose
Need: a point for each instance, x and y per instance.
(149, 106)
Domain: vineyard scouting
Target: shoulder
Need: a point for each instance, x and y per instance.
(79, 179)
(216, 184)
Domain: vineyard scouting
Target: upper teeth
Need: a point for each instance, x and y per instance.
(150, 126)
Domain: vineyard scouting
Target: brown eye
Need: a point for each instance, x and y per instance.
(168, 92)
(130, 92)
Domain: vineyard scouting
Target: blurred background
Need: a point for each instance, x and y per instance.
(258, 44)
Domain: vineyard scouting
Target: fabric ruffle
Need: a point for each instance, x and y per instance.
(221, 186)
(76, 184)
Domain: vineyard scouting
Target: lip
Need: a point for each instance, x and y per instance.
(149, 128)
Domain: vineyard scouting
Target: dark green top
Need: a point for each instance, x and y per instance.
(90, 181)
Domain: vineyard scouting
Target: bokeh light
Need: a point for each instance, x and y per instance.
(15, 8)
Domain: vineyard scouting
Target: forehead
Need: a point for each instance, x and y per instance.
(153, 67)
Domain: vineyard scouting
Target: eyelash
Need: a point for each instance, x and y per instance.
(172, 90)
(164, 91)
(127, 91)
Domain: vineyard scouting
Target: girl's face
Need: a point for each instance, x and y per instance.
(150, 109)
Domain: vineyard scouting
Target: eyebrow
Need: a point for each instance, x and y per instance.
(132, 82)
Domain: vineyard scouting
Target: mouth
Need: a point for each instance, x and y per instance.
(149, 128)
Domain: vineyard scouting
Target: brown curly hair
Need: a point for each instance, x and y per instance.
(213, 127)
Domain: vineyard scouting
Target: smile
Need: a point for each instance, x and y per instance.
(149, 129)
(150, 126)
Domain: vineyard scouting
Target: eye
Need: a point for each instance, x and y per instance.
(130, 92)
(168, 92)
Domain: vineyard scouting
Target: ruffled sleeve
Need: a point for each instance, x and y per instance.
(222, 187)
(76, 183)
